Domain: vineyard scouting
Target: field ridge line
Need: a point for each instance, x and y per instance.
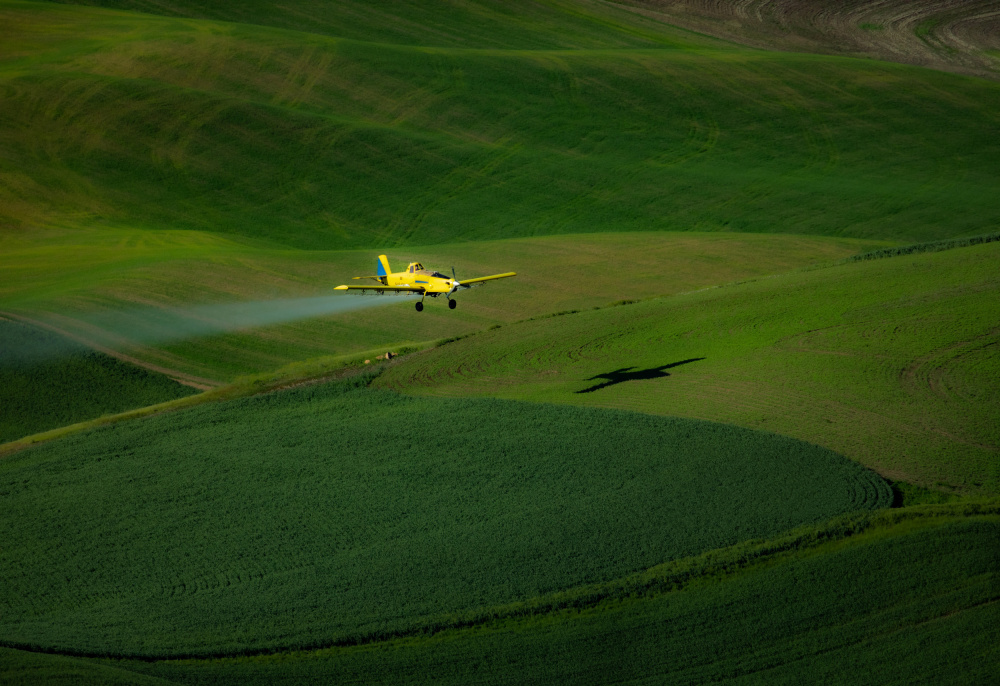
(198, 382)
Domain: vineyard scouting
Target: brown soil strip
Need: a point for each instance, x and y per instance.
(950, 35)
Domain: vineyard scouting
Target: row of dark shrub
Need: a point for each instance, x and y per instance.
(933, 246)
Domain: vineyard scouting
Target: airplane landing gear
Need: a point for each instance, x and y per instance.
(419, 306)
(452, 304)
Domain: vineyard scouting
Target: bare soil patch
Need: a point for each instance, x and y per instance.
(950, 35)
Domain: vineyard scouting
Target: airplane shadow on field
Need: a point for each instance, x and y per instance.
(625, 374)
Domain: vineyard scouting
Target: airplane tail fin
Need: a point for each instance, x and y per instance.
(383, 266)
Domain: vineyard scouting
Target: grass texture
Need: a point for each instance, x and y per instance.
(892, 362)
(337, 513)
(459, 24)
(118, 119)
(904, 596)
(104, 285)
(47, 381)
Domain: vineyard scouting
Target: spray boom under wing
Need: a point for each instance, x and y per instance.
(418, 281)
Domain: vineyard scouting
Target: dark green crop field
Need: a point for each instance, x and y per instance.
(47, 381)
(911, 598)
(331, 513)
(860, 614)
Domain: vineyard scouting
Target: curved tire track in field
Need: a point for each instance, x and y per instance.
(935, 376)
(951, 35)
(929, 373)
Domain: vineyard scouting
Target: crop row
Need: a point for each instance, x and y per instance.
(915, 596)
(331, 513)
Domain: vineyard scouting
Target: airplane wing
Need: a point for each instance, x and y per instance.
(467, 282)
(381, 289)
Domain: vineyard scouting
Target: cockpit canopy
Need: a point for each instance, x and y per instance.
(417, 268)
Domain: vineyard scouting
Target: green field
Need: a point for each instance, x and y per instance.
(851, 610)
(115, 120)
(47, 381)
(405, 511)
(86, 283)
(727, 424)
(466, 24)
(892, 362)
(765, 626)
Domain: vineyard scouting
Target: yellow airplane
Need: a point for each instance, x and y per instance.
(418, 281)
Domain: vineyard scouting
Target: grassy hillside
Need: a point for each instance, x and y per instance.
(572, 24)
(539, 497)
(904, 598)
(47, 381)
(335, 513)
(29, 669)
(111, 287)
(891, 362)
(122, 119)
(957, 35)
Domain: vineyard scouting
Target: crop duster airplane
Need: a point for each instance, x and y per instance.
(418, 281)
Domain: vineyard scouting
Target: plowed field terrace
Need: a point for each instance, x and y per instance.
(955, 35)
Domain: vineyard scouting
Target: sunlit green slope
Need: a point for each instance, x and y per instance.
(574, 24)
(113, 119)
(892, 362)
(105, 285)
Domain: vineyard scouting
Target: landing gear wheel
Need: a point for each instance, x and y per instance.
(419, 306)
(452, 304)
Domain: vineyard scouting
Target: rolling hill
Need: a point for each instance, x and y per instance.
(892, 362)
(155, 295)
(115, 119)
(226, 529)
(724, 426)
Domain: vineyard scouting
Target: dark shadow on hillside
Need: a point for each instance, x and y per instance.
(624, 374)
